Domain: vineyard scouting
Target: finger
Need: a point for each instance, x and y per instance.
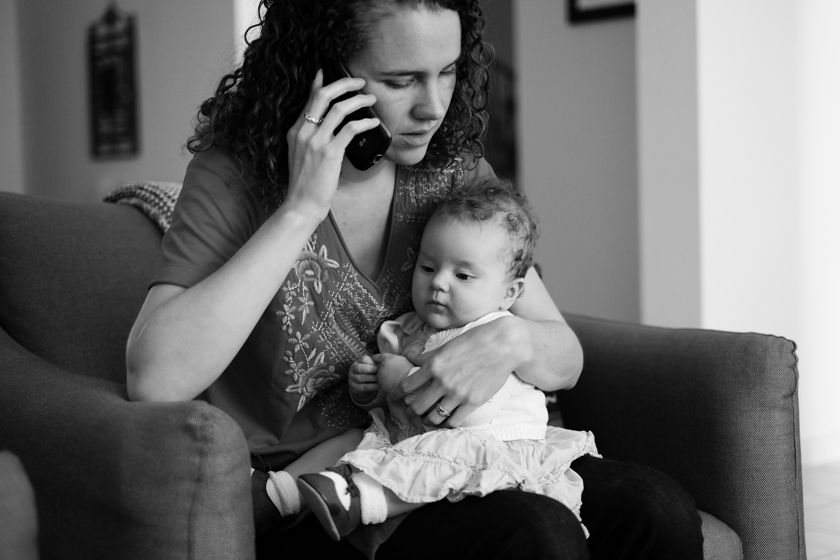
(365, 369)
(458, 416)
(321, 97)
(361, 378)
(440, 413)
(368, 387)
(415, 381)
(422, 358)
(427, 399)
(307, 108)
(408, 385)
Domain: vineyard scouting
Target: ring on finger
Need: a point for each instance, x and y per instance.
(313, 120)
(442, 411)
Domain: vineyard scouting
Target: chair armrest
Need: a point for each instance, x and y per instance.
(717, 411)
(118, 479)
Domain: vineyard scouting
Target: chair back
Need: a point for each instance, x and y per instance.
(73, 277)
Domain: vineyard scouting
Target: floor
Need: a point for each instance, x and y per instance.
(822, 511)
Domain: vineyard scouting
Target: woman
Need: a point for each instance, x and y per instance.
(283, 259)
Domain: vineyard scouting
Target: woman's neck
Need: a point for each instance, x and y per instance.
(351, 176)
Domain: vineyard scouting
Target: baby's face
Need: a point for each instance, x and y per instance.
(462, 273)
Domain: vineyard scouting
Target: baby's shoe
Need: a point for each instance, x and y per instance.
(333, 498)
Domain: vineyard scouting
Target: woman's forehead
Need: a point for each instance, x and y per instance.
(410, 39)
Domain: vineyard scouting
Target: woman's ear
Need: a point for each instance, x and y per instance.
(512, 293)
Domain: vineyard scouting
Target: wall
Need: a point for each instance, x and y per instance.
(577, 129)
(669, 162)
(11, 125)
(183, 47)
(753, 120)
(817, 257)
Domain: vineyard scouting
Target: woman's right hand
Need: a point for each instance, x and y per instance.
(315, 151)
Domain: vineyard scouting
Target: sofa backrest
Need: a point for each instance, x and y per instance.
(73, 277)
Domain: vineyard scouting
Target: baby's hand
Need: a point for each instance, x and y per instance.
(362, 380)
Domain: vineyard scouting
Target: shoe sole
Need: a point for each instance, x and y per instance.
(319, 507)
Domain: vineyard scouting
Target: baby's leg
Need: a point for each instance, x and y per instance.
(378, 503)
(275, 494)
(343, 499)
(326, 454)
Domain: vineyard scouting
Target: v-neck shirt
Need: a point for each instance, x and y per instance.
(287, 386)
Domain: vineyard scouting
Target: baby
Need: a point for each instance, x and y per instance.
(474, 254)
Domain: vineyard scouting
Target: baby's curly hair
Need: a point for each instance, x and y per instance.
(255, 106)
(490, 198)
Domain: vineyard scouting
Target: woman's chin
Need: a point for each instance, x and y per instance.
(406, 157)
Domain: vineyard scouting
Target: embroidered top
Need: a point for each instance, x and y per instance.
(287, 386)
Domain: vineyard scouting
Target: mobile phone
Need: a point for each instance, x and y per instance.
(368, 147)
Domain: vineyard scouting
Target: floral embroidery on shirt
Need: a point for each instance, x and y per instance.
(410, 260)
(311, 373)
(313, 267)
(328, 315)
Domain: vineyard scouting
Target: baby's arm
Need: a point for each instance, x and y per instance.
(393, 368)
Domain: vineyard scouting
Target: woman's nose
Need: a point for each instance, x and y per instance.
(429, 105)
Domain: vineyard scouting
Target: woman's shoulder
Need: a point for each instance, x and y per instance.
(216, 161)
(215, 184)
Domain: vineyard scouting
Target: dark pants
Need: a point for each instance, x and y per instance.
(630, 512)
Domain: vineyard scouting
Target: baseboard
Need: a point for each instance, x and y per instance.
(820, 450)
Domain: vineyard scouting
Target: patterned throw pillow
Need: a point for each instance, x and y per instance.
(155, 199)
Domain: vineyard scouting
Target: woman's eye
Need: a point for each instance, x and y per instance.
(397, 85)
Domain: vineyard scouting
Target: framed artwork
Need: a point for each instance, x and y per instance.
(112, 85)
(581, 11)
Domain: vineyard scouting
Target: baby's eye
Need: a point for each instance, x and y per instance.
(462, 276)
(426, 269)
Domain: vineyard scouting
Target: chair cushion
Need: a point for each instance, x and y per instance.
(720, 542)
(73, 277)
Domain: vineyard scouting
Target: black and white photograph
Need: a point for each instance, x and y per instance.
(412, 279)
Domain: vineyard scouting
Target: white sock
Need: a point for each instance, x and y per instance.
(372, 496)
(283, 492)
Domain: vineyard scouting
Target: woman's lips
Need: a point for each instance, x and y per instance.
(419, 138)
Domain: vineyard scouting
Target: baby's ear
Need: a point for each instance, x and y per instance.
(514, 290)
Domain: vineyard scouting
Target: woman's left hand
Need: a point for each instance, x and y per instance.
(463, 373)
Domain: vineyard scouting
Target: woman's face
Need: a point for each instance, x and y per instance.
(409, 65)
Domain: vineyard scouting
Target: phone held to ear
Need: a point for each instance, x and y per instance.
(368, 147)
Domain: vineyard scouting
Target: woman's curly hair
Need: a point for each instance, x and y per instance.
(487, 199)
(255, 106)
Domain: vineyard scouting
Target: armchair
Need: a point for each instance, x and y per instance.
(118, 479)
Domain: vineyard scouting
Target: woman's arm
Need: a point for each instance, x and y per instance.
(464, 373)
(184, 339)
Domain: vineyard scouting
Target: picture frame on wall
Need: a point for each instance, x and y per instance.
(113, 85)
(583, 11)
